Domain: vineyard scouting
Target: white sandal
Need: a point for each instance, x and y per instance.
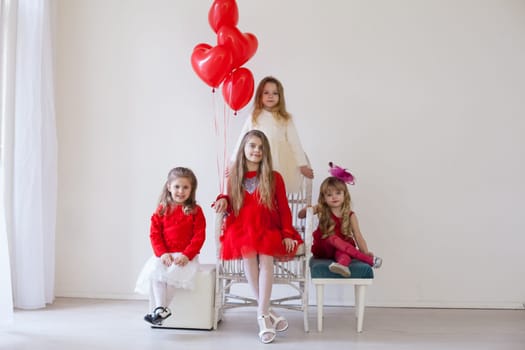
(267, 335)
(278, 319)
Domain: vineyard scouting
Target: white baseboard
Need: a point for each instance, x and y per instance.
(386, 303)
(86, 295)
(450, 304)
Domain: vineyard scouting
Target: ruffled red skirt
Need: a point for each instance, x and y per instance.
(256, 230)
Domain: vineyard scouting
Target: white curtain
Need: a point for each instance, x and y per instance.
(29, 154)
(7, 31)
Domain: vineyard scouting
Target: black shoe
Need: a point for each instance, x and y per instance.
(158, 315)
(153, 319)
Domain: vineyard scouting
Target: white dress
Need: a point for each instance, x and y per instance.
(287, 152)
(174, 275)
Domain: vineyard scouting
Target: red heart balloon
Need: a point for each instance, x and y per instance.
(223, 12)
(242, 45)
(211, 64)
(237, 88)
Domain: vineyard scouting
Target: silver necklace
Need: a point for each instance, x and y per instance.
(250, 184)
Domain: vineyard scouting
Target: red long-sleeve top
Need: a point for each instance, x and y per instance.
(176, 232)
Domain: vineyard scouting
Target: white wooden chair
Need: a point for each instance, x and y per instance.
(362, 275)
(294, 274)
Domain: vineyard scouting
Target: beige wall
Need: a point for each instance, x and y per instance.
(422, 100)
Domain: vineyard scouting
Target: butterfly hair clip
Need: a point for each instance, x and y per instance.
(342, 174)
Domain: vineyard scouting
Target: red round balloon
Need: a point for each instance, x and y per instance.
(242, 45)
(223, 12)
(237, 88)
(212, 64)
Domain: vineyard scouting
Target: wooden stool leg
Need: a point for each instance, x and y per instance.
(359, 291)
(320, 302)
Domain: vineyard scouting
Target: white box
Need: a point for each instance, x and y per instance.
(194, 309)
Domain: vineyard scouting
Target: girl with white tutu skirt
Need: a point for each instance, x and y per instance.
(177, 234)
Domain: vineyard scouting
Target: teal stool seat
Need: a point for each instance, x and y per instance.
(358, 269)
(361, 275)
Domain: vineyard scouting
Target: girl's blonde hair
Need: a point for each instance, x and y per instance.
(166, 202)
(265, 179)
(326, 223)
(279, 112)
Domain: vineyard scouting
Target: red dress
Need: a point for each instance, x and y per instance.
(321, 249)
(257, 229)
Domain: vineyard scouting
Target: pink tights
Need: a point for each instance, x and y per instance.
(346, 251)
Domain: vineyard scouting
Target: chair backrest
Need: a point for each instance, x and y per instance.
(299, 200)
(285, 270)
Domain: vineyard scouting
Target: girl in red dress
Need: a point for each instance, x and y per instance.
(258, 226)
(338, 235)
(177, 234)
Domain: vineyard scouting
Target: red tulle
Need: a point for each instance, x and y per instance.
(256, 230)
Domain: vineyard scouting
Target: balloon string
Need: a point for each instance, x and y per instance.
(225, 148)
(221, 138)
(216, 130)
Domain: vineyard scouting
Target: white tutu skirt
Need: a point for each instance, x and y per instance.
(174, 275)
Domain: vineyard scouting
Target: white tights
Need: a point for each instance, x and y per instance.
(161, 294)
(259, 273)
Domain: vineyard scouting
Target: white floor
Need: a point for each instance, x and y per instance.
(79, 324)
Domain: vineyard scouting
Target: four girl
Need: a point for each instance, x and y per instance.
(268, 162)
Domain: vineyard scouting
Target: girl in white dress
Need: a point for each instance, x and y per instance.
(270, 116)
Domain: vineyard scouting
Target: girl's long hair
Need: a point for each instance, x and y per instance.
(166, 202)
(326, 223)
(280, 113)
(265, 179)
